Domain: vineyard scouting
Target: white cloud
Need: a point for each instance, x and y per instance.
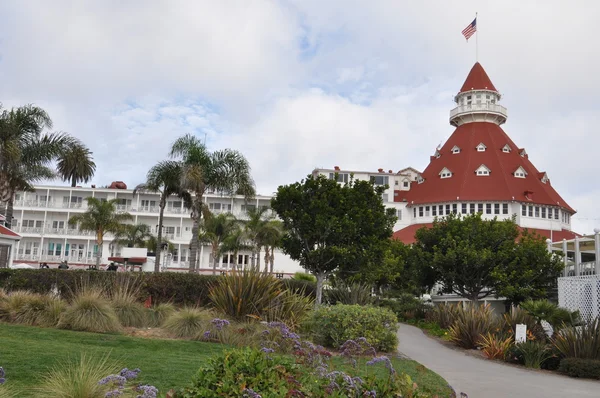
(301, 84)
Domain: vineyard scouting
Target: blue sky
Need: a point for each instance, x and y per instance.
(301, 84)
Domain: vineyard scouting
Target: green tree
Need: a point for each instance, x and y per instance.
(132, 235)
(216, 230)
(26, 152)
(237, 241)
(164, 178)
(254, 227)
(75, 164)
(330, 226)
(272, 235)
(101, 217)
(225, 171)
(476, 258)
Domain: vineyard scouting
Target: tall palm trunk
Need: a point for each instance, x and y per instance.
(215, 254)
(235, 260)
(100, 243)
(195, 241)
(253, 259)
(272, 258)
(258, 250)
(73, 181)
(161, 212)
(267, 256)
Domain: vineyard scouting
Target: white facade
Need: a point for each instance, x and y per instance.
(41, 218)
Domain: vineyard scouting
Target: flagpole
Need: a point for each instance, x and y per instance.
(476, 39)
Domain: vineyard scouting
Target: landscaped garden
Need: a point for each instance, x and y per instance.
(249, 334)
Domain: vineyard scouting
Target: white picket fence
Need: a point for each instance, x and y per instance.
(580, 293)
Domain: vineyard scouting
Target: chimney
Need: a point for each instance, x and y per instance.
(93, 185)
(380, 170)
(336, 168)
(390, 171)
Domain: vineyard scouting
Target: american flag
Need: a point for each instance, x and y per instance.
(470, 29)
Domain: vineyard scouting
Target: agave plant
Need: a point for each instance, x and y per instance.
(245, 294)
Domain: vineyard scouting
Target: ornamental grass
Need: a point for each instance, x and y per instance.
(124, 299)
(90, 311)
(188, 322)
(158, 314)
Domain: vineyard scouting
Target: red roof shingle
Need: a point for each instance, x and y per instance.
(477, 80)
(7, 232)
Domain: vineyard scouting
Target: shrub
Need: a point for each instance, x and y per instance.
(124, 296)
(41, 310)
(177, 288)
(158, 314)
(189, 322)
(349, 293)
(494, 346)
(77, 379)
(13, 304)
(470, 324)
(303, 276)
(534, 353)
(406, 307)
(243, 294)
(333, 325)
(550, 312)
(289, 308)
(579, 367)
(443, 314)
(90, 311)
(580, 342)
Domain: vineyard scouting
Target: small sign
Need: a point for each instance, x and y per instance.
(521, 333)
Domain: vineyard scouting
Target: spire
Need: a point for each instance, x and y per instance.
(477, 80)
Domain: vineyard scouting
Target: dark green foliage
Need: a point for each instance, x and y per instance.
(332, 325)
(476, 258)
(349, 293)
(444, 314)
(578, 367)
(177, 288)
(331, 227)
(406, 307)
(471, 323)
(533, 353)
(303, 276)
(580, 341)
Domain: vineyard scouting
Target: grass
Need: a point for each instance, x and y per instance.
(27, 353)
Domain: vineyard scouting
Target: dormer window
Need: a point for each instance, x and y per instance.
(420, 179)
(445, 173)
(481, 147)
(455, 150)
(545, 178)
(506, 149)
(483, 170)
(520, 173)
(523, 153)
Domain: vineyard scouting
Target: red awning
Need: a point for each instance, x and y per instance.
(131, 260)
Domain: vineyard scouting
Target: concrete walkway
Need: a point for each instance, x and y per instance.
(480, 378)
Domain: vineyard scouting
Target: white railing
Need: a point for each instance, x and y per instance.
(54, 231)
(581, 293)
(491, 108)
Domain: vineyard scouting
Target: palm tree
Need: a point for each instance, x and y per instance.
(255, 229)
(164, 178)
(271, 237)
(225, 171)
(236, 242)
(216, 230)
(75, 164)
(132, 235)
(101, 217)
(26, 152)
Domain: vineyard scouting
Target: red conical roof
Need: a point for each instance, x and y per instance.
(477, 80)
(465, 185)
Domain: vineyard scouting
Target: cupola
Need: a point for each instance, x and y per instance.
(477, 100)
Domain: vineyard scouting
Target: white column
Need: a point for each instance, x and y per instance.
(565, 259)
(597, 247)
(11, 256)
(201, 257)
(577, 256)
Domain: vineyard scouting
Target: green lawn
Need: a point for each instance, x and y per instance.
(27, 352)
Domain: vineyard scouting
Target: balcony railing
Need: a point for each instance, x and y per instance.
(491, 108)
(53, 231)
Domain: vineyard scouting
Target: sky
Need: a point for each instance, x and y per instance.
(296, 85)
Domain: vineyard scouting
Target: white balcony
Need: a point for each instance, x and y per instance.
(38, 231)
(477, 113)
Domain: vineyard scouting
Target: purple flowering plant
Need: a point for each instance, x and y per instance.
(124, 385)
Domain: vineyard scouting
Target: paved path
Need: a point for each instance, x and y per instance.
(480, 378)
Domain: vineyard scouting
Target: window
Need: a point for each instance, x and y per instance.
(447, 209)
(488, 208)
(445, 173)
(543, 212)
(520, 173)
(481, 147)
(454, 208)
(399, 214)
(126, 202)
(405, 183)
(537, 211)
(469, 100)
(415, 212)
(472, 208)
(437, 154)
(556, 214)
(434, 211)
(504, 208)
(421, 211)
(174, 204)
(464, 208)
(396, 182)
(506, 149)
(214, 206)
(341, 177)
(455, 150)
(147, 204)
(247, 208)
(496, 208)
(420, 179)
(530, 211)
(480, 208)
(58, 224)
(441, 209)
(380, 180)
(523, 210)
(426, 211)
(482, 170)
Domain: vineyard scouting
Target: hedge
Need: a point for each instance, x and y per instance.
(176, 287)
(579, 367)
